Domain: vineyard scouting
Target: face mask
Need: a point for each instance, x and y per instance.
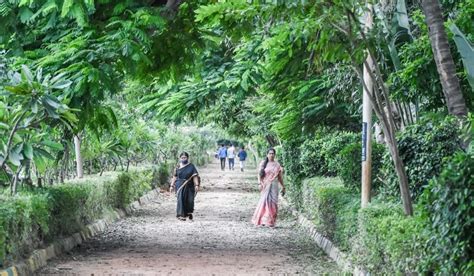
(184, 162)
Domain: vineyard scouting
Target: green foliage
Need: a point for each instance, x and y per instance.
(422, 147)
(24, 220)
(332, 208)
(312, 159)
(319, 156)
(31, 102)
(41, 215)
(349, 164)
(466, 51)
(387, 241)
(289, 158)
(161, 176)
(333, 145)
(67, 203)
(128, 187)
(448, 204)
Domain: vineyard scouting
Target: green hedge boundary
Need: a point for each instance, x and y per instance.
(378, 239)
(40, 257)
(34, 218)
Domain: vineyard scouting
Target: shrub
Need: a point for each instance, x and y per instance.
(319, 154)
(331, 207)
(311, 157)
(140, 184)
(387, 241)
(448, 203)
(39, 215)
(333, 144)
(422, 147)
(349, 164)
(163, 174)
(68, 203)
(289, 158)
(23, 221)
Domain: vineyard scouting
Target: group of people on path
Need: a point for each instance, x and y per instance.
(186, 183)
(228, 153)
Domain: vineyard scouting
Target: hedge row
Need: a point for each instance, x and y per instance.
(329, 153)
(422, 147)
(380, 238)
(35, 217)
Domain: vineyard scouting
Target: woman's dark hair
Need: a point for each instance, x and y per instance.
(262, 170)
(184, 154)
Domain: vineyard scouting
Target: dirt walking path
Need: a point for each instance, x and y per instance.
(220, 241)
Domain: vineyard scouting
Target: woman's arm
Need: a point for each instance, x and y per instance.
(259, 168)
(196, 183)
(280, 179)
(173, 183)
(173, 180)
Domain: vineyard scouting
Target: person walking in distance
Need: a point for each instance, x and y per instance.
(269, 176)
(242, 156)
(222, 155)
(231, 156)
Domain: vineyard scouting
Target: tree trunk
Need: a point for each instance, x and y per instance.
(402, 176)
(27, 180)
(102, 166)
(15, 181)
(63, 173)
(39, 179)
(79, 165)
(443, 58)
(271, 140)
(173, 4)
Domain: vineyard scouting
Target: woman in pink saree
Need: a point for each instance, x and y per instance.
(270, 175)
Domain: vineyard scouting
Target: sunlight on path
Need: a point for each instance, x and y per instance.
(220, 241)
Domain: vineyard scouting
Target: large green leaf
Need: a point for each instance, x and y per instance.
(467, 52)
(27, 74)
(51, 111)
(66, 8)
(25, 14)
(53, 145)
(51, 101)
(28, 150)
(39, 152)
(40, 163)
(62, 84)
(21, 89)
(15, 156)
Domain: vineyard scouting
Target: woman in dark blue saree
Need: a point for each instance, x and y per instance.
(186, 184)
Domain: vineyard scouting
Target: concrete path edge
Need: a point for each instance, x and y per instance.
(40, 257)
(325, 244)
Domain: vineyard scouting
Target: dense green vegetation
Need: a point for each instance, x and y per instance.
(102, 85)
(37, 216)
